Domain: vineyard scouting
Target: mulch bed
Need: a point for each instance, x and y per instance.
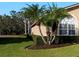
(48, 46)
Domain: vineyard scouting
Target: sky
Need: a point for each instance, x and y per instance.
(6, 7)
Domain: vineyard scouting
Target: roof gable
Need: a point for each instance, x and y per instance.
(72, 7)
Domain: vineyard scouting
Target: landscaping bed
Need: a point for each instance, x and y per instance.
(63, 41)
(48, 46)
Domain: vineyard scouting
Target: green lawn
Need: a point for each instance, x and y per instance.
(17, 49)
(14, 49)
(57, 52)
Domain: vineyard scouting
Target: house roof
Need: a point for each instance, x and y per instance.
(72, 7)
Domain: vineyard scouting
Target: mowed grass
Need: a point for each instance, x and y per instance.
(18, 50)
(68, 51)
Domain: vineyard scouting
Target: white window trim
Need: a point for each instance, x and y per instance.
(58, 34)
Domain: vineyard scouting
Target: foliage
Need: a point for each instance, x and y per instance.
(54, 15)
(10, 25)
(33, 14)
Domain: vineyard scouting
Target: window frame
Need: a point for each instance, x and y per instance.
(67, 29)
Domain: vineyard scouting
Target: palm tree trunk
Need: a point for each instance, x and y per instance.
(53, 39)
(42, 35)
(51, 35)
(54, 33)
(48, 36)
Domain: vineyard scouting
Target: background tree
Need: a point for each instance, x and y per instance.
(10, 23)
(19, 24)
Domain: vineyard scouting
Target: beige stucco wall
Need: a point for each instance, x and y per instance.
(35, 30)
(74, 13)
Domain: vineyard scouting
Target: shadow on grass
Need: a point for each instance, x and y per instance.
(13, 40)
(28, 46)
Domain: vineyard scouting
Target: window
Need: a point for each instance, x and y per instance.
(63, 32)
(71, 32)
(71, 26)
(63, 29)
(71, 29)
(63, 26)
(66, 29)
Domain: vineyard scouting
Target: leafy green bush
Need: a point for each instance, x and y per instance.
(37, 40)
(58, 40)
(67, 39)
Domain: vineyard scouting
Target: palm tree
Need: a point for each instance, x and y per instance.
(50, 17)
(54, 16)
(35, 14)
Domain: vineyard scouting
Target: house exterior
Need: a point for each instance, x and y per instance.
(67, 27)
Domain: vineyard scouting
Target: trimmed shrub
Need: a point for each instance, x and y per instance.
(58, 40)
(67, 39)
(37, 40)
